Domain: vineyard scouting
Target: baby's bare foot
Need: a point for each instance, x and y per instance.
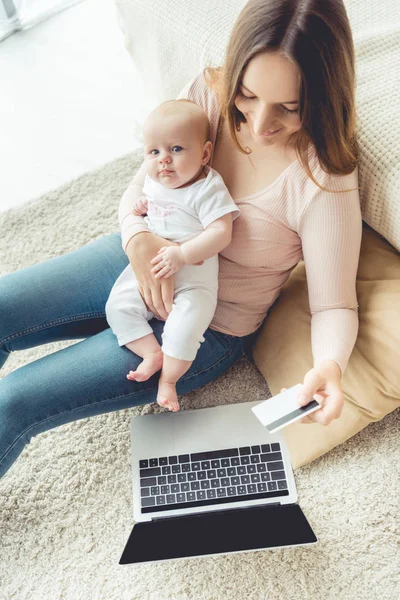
(167, 397)
(149, 365)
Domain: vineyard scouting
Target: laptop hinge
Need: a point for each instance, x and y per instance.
(212, 512)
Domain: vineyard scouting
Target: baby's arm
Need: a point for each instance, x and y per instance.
(208, 243)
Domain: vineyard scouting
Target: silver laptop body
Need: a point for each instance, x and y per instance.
(204, 520)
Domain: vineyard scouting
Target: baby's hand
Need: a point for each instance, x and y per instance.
(168, 261)
(140, 207)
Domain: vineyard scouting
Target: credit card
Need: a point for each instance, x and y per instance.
(282, 409)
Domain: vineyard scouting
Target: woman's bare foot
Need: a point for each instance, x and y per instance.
(149, 365)
(167, 397)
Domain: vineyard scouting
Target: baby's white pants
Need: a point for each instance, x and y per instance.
(195, 300)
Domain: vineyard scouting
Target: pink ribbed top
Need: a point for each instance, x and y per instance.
(288, 221)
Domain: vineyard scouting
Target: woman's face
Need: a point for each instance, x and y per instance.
(269, 98)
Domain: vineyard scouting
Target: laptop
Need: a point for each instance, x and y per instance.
(208, 482)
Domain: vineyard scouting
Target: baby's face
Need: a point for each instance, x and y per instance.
(174, 150)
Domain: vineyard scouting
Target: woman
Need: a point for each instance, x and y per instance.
(283, 127)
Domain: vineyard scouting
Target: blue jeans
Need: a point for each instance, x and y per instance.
(63, 299)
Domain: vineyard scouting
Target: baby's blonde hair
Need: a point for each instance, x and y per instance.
(173, 106)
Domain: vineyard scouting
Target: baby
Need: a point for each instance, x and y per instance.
(186, 202)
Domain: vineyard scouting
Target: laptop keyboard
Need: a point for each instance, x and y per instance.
(219, 476)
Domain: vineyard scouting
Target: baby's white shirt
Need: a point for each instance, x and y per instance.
(181, 214)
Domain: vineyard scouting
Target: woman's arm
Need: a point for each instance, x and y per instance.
(330, 232)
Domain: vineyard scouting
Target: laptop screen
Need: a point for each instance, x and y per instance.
(218, 532)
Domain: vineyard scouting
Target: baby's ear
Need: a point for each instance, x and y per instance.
(207, 149)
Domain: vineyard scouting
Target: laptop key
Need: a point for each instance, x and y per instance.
(275, 447)
(271, 456)
(252, 488)
(241, 489)
(231, 471)
(206, 465)
(254, 459)
(149, 501)
(172, 460)
(175, 488)
(211, 474)
(221, 472)
(265, 476)
(196, 466)
(165, 489)
(272, 486)
(160, 500)
(181, 477)
(215, 483)
(176, 468)
(162, 480)
(241, 470)
(211, 494)
(277, 475)
(171, 478)
(185, 467)
(224, 462)
(251, 468)
(255, 449)
(255, 478)
(191, 496)
(245, 460)
(214, 454)
(261, 467)
(265, 448)
(153, 462)
(145, 492)
(262, 487)
(191, 476)
(184, 458)
(166, 470)
(195, 485)
(149, 481)
(185, 487)
(231, 491)
(180, 497)
(143, 464)
(235, 480)
(275, 466)
(245, 479)
(201, 475)
(201, 494)
(221, 493)
(150, 472)
(155, 490)
(282, 485)
(235, 462)
(225, 481)
(205, 484)
(163, 461)
(215, 464)
(244, 450)
(170, 498)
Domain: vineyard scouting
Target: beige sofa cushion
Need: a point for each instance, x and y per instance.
(371, 382)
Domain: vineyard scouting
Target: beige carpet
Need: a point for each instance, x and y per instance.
(65, 505)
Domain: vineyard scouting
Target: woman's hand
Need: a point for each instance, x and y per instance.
(157, 294)
(324, 384)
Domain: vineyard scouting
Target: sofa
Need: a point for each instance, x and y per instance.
(169, 44)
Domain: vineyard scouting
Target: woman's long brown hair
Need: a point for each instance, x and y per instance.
(316, 36)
